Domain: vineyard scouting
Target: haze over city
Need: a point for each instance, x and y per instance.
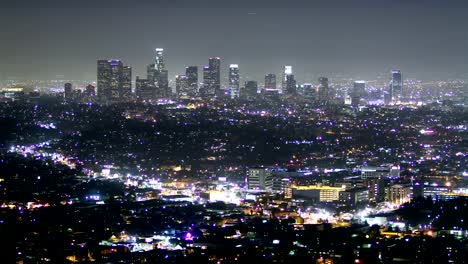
(359, 39)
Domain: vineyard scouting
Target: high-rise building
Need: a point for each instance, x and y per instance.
(215, 76)
(286, 72)
(212, 78)
(158, 76)
(126, 82)
(110, 80)
(396, 86)
(290, 84)
(234, 80)
(68, 91)
(323, 90)
(270, 81)
(152, 73)
(357, 92)
(144, 89)
(204, 89)
(250, 90)
(163, 84)
(159, 60)
(182, 86)
(192, 78)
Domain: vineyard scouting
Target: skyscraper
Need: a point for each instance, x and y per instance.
(159, 60)
(357, 92)
(182, 87)
(250, 90)
(126, 82)
(110, 80)
(396, 86)
(204, 89)
(192, 79)
(159, 76)
(270, 81)
(290, 84)
(287, 71)
(163, 84)
(234, 80)
(215, 76)
(323, 90)
(144, 89)
(212, 78)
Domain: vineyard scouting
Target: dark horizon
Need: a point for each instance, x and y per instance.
(427, 40)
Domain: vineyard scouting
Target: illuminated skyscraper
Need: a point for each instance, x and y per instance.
(204, 89)
(126, 82)
(286, 72)
(111, 80)
(234, 80)
(159, 60)
(192, 78)
(212, 78)
(182, 87)
(215, 76)
(396, 86)
(357, 92)
(158, 76)
(270, 81)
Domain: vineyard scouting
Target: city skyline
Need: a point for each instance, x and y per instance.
(424, 41)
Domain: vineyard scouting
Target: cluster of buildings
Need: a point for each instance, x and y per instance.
(115, 84)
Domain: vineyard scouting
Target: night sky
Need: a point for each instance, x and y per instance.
(49, 39)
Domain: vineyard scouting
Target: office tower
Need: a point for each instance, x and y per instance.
(204, 88)
(163, 84)
(308, 91)
(250, 90)
(270, 81)
(158, 76)
(212, 78)
(215, 76)
(144, 89)
(159, 60)
(90, 90)
(323, 90)
(357, 92)
(68, 91)
(259, 179)
(234, 81)
(286, 72)
(396, 86)
(110, 80)
(182, 87)
(290, 85)
(126, 82)
(151, 73)
(192, 78)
